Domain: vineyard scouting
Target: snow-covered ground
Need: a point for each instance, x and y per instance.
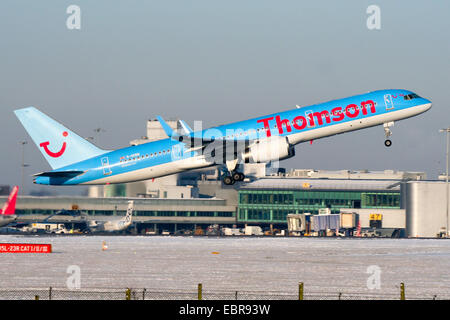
(234, 264)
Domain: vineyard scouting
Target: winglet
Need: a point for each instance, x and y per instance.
(167, 129)
(186, 128)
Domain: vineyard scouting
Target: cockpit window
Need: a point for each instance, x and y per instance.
(411, 96)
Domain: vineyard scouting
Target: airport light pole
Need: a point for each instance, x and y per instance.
(23, 143)
(446, 173)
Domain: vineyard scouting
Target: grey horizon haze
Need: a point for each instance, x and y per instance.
(221, 62)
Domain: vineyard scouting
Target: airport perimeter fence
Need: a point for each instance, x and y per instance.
(200, 294)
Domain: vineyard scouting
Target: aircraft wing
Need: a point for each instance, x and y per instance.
(219, 150)
(189, 137)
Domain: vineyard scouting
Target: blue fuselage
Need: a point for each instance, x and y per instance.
(168, 156)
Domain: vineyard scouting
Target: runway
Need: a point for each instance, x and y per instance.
(235, 264)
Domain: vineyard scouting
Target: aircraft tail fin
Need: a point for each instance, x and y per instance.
(187, 130)
(59, 145)
(130, 209)
(10, 206)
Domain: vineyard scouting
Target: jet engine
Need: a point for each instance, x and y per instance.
(270, 149)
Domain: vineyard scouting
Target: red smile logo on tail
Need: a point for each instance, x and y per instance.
(54, 154)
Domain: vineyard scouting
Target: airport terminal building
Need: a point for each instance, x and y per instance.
(196, 199)
(271, 200)
(150, 214)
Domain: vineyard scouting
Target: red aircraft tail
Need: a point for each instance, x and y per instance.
(10, 206)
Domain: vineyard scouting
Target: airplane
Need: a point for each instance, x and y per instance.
(270, 138)
(111, 226)
(7, 213)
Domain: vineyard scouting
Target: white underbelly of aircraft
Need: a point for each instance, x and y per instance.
(154, 171)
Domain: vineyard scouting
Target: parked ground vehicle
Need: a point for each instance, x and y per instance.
(253, 231)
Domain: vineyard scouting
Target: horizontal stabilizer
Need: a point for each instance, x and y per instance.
(59, 174)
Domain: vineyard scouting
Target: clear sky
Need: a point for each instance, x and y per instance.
(223, 61)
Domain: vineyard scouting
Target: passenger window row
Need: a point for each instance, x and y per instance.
(146, 156)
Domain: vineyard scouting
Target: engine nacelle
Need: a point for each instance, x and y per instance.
(270, 149)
